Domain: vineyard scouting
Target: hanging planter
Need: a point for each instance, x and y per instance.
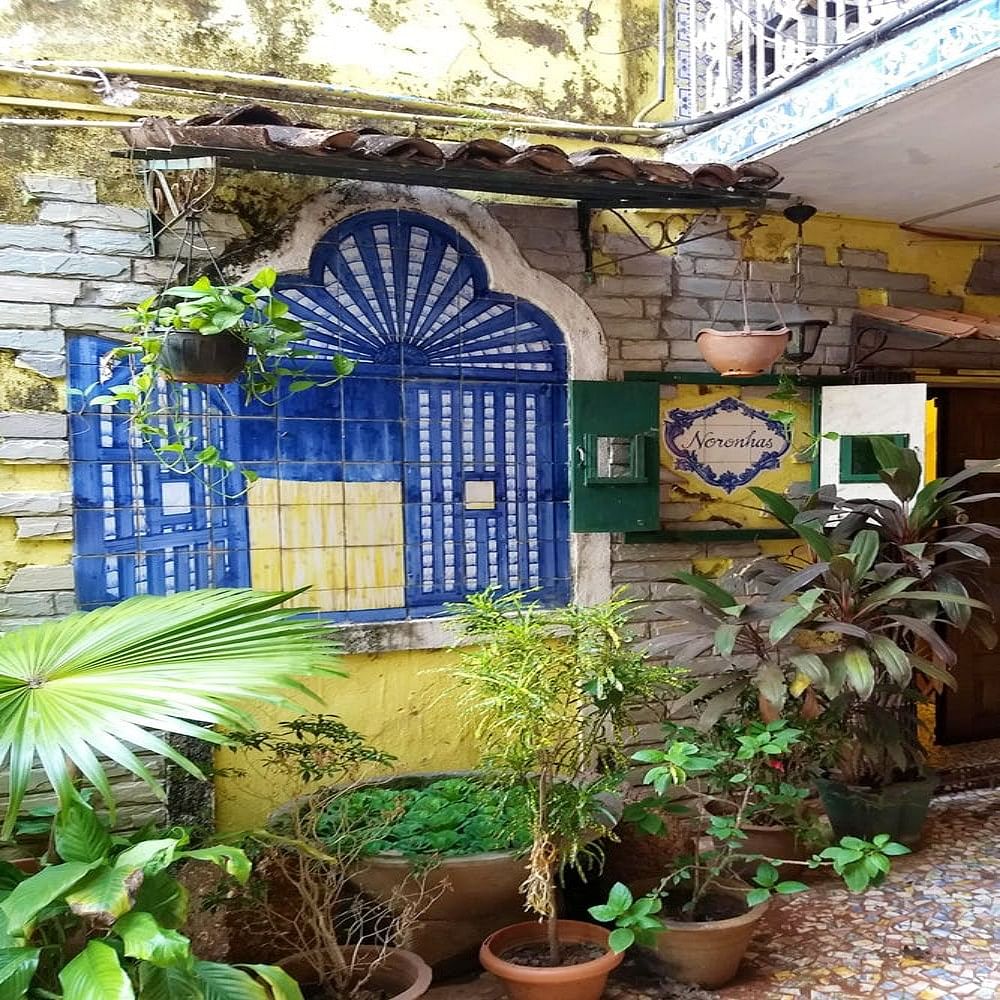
(743, 351)
(190, 356)
(208, 334)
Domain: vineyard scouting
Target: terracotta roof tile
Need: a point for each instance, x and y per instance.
(257, 128)
(943, 322)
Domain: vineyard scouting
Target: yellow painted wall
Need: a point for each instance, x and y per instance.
(393, 699)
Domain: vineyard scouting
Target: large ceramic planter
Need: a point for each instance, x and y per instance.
(474, 895)
(742, 352)
(400, 975)
(708, 953)
(899, 809)
(585, 981)
(203, 359)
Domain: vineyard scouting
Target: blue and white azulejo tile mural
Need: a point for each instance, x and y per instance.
(438, 468)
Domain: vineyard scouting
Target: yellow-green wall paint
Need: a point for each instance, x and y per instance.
(393, 699)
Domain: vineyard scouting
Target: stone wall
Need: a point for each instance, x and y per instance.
(73, 268)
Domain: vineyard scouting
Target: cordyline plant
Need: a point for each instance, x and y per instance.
(551, 693)
(849, 623)
(100, 920)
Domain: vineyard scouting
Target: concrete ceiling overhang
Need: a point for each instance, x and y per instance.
(930, 156)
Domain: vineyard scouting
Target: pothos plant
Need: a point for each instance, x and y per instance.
(720, 857)
(848, 624)
(276, 365)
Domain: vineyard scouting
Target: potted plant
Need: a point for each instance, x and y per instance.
(847, 627)
(302, 910)
(743, 351)
(702, 915)
(101, 917)
(457, 836)
(550, 693)
(205, 334)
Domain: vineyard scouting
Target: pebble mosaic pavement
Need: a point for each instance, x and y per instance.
(931, 932)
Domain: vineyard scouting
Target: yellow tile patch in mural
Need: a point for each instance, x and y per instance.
(716, 441)
(342, 540)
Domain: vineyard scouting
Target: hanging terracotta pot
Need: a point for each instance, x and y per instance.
(742, 352)
(190, 356)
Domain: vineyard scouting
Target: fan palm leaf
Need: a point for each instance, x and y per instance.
(105, 683)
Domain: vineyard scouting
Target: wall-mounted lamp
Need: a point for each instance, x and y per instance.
(805, 330)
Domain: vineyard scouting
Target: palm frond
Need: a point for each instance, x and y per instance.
(107, 682)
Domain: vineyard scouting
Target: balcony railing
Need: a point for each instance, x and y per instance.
(728, 51)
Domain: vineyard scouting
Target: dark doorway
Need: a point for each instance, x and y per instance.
(969, 431)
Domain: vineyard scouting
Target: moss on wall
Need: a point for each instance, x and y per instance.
(21, 389)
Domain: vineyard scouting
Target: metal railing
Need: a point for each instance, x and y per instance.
(729, 51)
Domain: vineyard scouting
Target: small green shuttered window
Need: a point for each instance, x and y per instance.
(614, 432)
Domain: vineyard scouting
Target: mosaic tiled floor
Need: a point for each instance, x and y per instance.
(932, 932)
(967, 765)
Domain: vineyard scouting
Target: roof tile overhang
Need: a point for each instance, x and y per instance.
(942, 323)
(258, 138)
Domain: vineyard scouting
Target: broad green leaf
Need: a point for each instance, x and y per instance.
(620, 897)
(757, 896)
(766, 875)
(860, 673)
(80, 834)
(787, 622)
(265, 278)
(726, 636)
(17, 969)
(168, 984)
(788, 888)
(894, 850)
(865, 548)
(143, 938)
(812, 666)
(811, 598)
(621, 939)
(231, 859)
(283, 987)
(165, 898)
(775, 504)
(95, 974)
(887, 593)
(224, 982)
(895, 661)
(31, 896)
(108, 681)
(106, 894)
(716, 596)
(856, 877)
(603, 913)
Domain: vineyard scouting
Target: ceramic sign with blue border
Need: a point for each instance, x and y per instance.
(727, 444)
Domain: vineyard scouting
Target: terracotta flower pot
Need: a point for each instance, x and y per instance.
(203, 359)
(567, 982)
(400, 976)
(708, 953)
(742, 352)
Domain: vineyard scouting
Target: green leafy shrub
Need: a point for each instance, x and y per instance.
(453, 817)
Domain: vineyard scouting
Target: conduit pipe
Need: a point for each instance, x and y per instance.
(170, 72)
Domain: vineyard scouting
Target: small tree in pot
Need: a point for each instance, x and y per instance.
(551, 692)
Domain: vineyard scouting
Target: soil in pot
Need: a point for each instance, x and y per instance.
(707, 950)
(504, 952)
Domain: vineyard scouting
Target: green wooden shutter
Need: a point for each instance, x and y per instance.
(625, 498)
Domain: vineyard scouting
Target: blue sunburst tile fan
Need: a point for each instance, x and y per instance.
(459, 396)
